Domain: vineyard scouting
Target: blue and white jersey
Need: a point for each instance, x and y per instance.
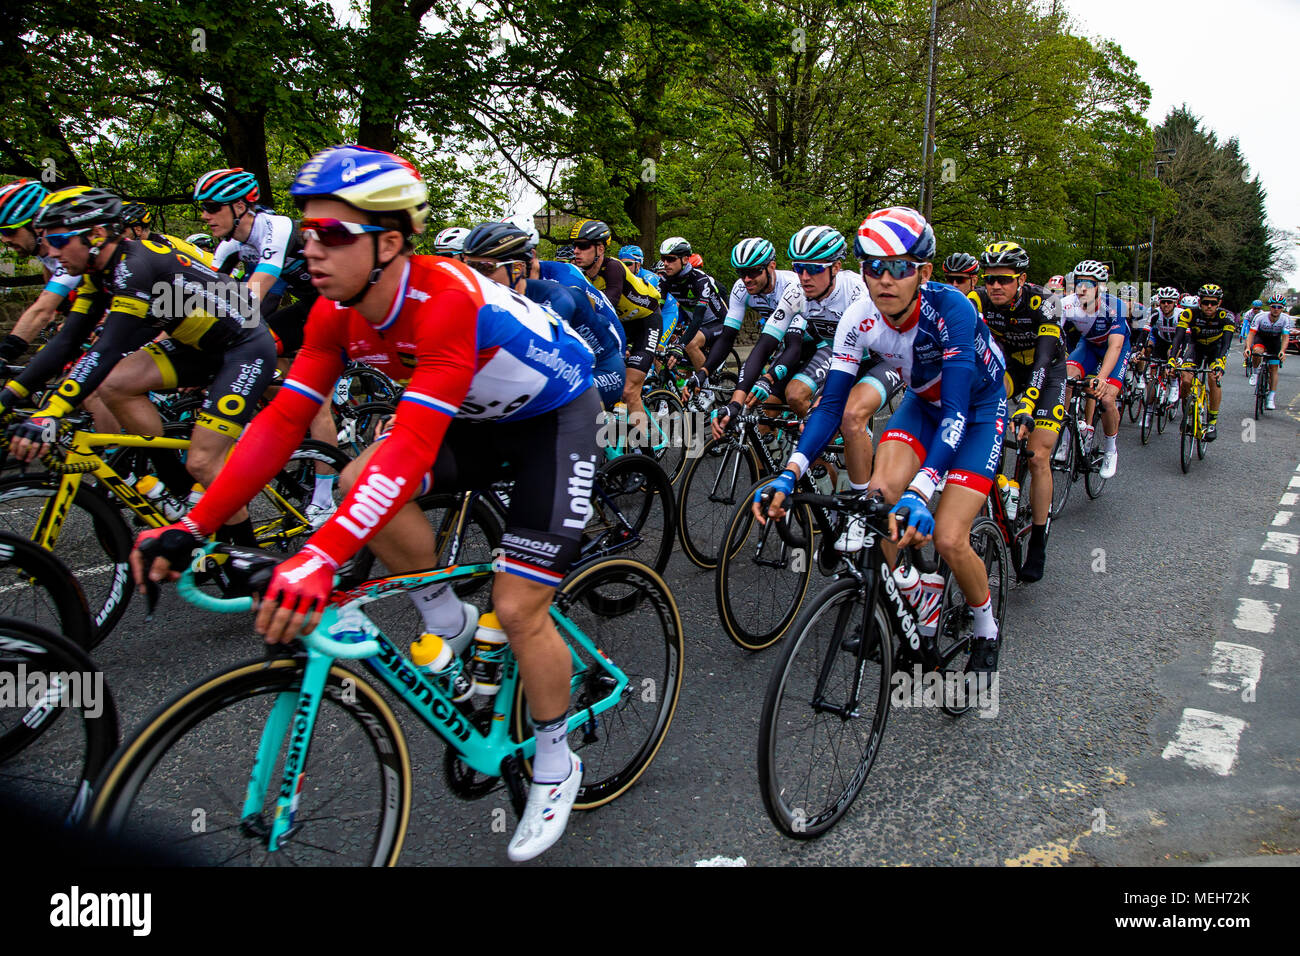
(60, 282)
(575, 309)
(823, 315)
(774, 311)
(273, 248)
(1107, 319)
(570, 276)
(1263, 324)
(944, 353)
(1164, 326)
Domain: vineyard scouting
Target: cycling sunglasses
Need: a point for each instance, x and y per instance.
(670, 259)
(954, 277)
(335, 232)
(584, 244)
(1000, 280)
(489, 267)
(898, 268)
(57, 240)
(212, 206)
(809, 268)
(1085, 283)
(8, 231)
(751, 273)
(633, 264)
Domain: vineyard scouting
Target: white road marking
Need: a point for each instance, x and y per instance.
(1207, 741)
(722, 861)
(1281, 541)
(1282, 518)
(1255, 615)
(1294, 482)
(1290, 498)
(1275, 574)
(1234, 667)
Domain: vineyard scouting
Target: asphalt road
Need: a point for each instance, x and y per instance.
(1091, 759)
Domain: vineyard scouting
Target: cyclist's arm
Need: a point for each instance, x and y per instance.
(784, 361)
(1229, 328)
(1114, 345)
(1045, 351)
(119, 337)
(58, 352)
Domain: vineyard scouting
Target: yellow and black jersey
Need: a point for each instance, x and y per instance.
(1205, 329)
(633, 298)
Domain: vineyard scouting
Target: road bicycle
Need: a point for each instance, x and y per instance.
(1016, 529)
(828, 700)
(85, 525)
(1196, 418)
(1261, 384)
(299, 760)
(1073, 457)
(1156, 407)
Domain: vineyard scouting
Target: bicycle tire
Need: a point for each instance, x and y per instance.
(722, 470)
(652, 661)
(788, 756)
(36, 587)
(94, 542)
(757, 603)
(147, 792)
(1186, 438)
(670, 431)
(1063, 469)
(632, 512)
(287, 530)
(1093, 482)
(47, 759)
(952, 634)
(360, 425)
(1148, 419)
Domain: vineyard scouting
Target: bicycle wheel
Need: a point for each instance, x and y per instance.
(93, 542)
(1093, 482)
(361, 384)
(1187, 437)
(731, 365)
(1063, 465)
(1202, 417)
(825, 711)
(709, 495)
(956, 621)
(670, 433)
(180, 782)
(631, 512)
(760, 581)
(1147, 415)
(628, 612)
(359, 425)
(59, 729)
(37, 588)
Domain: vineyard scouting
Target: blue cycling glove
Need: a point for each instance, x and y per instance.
(783, 483)
(919, 516)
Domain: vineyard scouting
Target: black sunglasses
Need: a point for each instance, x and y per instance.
(1000, 280)
(752, 273)
(212, 206)
(584, 245)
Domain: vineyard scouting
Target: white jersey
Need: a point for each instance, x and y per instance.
(270, 249)
(773, 312)
(823, 315)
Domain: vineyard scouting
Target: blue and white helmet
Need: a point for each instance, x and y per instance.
(631, 253)
(817, 244)
(369, 179)
(752, 253)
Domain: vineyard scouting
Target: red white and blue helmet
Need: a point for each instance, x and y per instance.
(369, 179)
(226, 185)
(19, 201)
(896, 231)
(1277, 298)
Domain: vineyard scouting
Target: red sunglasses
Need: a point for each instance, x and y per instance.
(335, 232)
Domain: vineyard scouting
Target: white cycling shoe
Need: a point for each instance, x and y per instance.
(1254, 376)
(855, 534)
(545, 815)
(1109, 464)
(317, 515)
(1271, 402)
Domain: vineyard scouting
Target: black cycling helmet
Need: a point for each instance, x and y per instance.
(961, 264)
(79, 207)
(589, 230)
(498, 240)
(137, 214)
(1005, 255)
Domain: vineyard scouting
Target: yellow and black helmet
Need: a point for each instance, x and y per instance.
(1005, 255)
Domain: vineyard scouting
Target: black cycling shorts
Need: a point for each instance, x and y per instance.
(287, 324)
(235, 378)
(1049, 402)
(552, 459)
(643, 341)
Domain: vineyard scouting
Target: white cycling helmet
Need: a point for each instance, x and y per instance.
(1189, 302)
(450, 242)
(1091, 269)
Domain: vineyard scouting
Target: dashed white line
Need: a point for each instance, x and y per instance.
(1207, 741)
(1290, 498)
(1281, 541)
(1275, 574)
(722, 861)
(1282, 518)
(1257, 616)
(1235, 666)
(1294, 482)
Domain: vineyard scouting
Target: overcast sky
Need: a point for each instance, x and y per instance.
(1232, 64)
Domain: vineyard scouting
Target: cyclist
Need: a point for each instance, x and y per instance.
(1164, 325)
(1103, 351)
(816, 257)
(1268, 337)
(632, 257)
(500, 388)
(1020, 320)
(1139, 319)
(139, 225)
(201, 240)
(270, 249)
(1248, 320)
(141, 288)
(697, 291)
(775, 298)
(450, 242)
(19, 201)
(635, 300)
(1209, 329)
(961, 271)
(950, 421)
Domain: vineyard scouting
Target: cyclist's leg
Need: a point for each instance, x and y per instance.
(1049, 413)
(899, 454)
